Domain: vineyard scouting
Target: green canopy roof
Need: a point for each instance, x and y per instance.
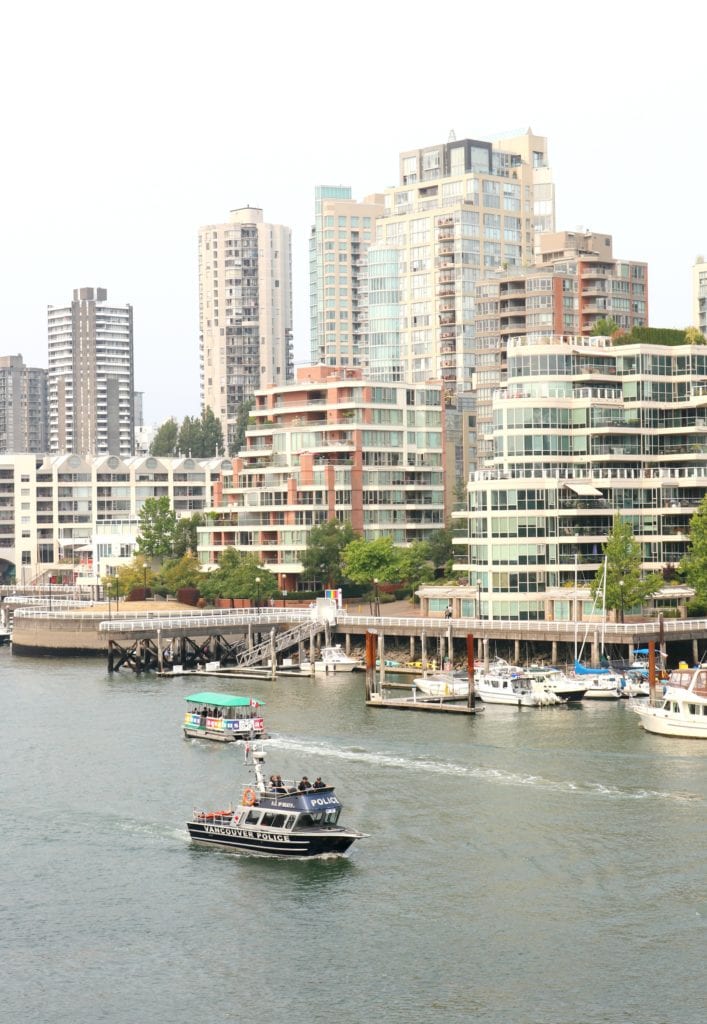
(223, 700)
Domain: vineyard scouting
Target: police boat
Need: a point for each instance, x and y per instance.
(277, 818)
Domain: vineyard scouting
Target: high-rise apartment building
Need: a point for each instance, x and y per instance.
(342, 233)
(575, 282)
(699, 295)
(91, 376)
(462, 209)
(23, 406)
(245, 312)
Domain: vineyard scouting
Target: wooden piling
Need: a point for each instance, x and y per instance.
(471, 668)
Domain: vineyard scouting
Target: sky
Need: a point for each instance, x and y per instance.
(127, 126)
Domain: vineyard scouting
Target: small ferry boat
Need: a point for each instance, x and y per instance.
(223, 717)
(333, 659)
(682, 710)
(277, 819)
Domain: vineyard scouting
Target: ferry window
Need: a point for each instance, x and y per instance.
(252, 818)
(692, 709)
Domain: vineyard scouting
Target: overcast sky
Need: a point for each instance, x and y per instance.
(127, 126)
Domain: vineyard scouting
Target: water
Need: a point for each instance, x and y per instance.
(523, 867)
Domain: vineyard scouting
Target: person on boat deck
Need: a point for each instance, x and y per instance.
(279, 785)
(318, 784)
(304, 783)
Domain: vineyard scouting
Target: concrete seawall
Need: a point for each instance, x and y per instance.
(68, 635)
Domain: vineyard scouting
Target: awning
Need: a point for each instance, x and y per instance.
(585, 490)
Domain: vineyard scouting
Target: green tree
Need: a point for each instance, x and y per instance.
(164, 442)
(242, 415)
(239, 575)
(181, 572)
(158, 524)
(325, 545)
(604, 327)
(185, 535)
(694, 565)
(133, 576)
(625, 587)
(440, 550)
(693, 336)
(416, 566)
(366, 560)
(211, 435)
(190, 440)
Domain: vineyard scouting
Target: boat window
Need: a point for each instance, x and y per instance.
(331, 817)
(692, 709)
(273, 820)
(252, 818)
(289, 821)
(676, 707)
(304, 821)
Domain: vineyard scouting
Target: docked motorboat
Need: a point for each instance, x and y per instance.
(443, 684)
(509, 688)
(223, 717)
(682, 710)
(333, 659)
(555, 680)
(635, 684)
(277, 819)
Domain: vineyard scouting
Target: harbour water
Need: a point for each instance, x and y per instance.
(541, 866)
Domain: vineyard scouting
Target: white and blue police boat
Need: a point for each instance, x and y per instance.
(277, 818)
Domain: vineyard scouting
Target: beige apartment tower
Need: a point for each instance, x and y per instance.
(462, 209)
(245, 312)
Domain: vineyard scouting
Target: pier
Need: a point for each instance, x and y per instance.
(151, 639)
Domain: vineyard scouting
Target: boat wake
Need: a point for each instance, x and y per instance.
(487, 773)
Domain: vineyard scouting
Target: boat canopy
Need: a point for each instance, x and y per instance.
(223, 700)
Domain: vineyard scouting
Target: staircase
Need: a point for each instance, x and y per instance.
(283, 641)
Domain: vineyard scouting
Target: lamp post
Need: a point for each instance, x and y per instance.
(621, 599)
(257, 593)
(50, 593)
(144, 582)
(377, 604)
(322, 576)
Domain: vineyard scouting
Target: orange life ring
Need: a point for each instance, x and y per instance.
(249, 796)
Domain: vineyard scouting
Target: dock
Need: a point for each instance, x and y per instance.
(445, 705)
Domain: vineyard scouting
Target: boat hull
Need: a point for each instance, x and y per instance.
(669, 724)
(273, 844)
(220, 735)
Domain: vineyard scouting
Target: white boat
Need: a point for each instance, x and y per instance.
(444, 684)
(682, 710)
(333, 659)
(508, 688)
(635, 684)
(557, 681)
(603, 686)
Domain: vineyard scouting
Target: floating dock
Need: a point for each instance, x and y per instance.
(458, 707)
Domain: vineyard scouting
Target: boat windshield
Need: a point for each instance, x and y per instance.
(318, 819)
